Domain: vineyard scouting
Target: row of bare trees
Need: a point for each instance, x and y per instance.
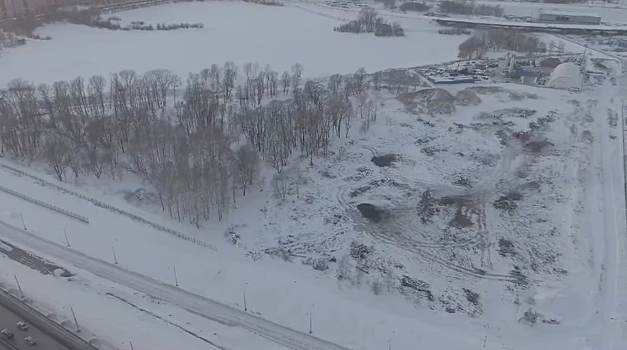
(182, 139)
(497, 39)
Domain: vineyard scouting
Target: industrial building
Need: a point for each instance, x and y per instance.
(568, 18)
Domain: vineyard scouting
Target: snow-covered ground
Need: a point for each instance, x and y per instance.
(559, 260)
(237, 31)
(509, 226)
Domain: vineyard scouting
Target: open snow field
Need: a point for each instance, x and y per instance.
(237, 31)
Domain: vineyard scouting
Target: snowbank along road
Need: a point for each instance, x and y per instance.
(199, 305)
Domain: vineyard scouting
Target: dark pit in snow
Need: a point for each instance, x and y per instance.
(385, 160)
(370, 212)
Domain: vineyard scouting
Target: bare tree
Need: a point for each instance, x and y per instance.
(96, 92)
(246, 161)
(334, 85)
(228, 82)
(55, 153)
(285, 82)
(297, 72)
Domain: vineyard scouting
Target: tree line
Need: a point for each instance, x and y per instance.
(470, 8)
(497, 39)
(182, 137)
(369, 21)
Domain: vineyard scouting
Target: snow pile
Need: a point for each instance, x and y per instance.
(467, 98)
(434, 101)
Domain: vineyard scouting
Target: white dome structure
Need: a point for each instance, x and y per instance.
(565, 76)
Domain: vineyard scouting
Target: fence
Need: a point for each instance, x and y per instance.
(108, 207)
(45, 205)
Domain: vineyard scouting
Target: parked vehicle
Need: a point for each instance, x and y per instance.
(22, 325)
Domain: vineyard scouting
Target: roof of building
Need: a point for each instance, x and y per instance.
(565, 75)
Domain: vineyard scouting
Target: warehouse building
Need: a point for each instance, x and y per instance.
(568, 18)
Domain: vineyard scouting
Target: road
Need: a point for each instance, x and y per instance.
(194, 303)
(614, 302)
(9, 320)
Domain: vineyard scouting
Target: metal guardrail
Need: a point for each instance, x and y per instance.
(108, 207)
(45, 205)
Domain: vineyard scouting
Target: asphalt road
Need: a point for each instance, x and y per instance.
(49, 335)
(9, 321)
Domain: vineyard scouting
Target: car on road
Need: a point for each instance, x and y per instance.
(22, 325)
(7, 334)
(30, 340)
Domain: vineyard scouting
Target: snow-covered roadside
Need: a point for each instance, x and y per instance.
(111, 316)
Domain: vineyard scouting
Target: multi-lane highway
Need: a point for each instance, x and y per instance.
(49, 335)
(9, 320)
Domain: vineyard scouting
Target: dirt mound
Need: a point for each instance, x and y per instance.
(550, 62)
(467, 98)
(435, 101)
(370, 212)
(383, 161)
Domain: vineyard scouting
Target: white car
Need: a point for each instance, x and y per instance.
(30, 340)
(22, 325)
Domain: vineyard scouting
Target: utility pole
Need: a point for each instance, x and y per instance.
(132, 346)
(19, 287)
(176, 280)
(390, 345)
(484, 341)
(310, 330)
(66, 240)
(245, 306)
(78, 329)
(115, 258)
(23, 223)
(585, 66)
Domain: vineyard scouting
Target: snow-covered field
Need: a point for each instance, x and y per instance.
(537, 256)
(236, 31)
(475, 225)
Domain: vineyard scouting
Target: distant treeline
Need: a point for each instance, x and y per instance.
(415, 6)
(266, 2)
(369, 21)
(454, 31)
(496, 39)
(470, 8)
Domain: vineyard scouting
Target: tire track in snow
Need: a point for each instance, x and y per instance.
(165, 321)
(420, 248)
